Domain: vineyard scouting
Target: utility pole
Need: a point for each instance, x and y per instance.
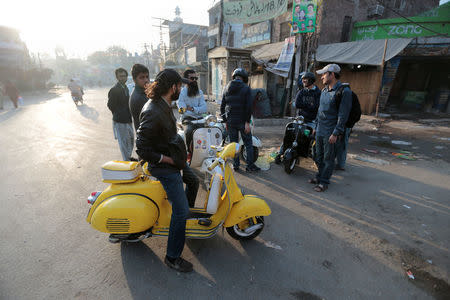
(221, 23)
(162, 46)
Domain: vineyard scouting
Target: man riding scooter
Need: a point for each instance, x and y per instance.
(159, 144)
(192, 102)
(307, 102)
(76, 91)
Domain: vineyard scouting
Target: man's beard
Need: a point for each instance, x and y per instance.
(192, 89)
(175, 96)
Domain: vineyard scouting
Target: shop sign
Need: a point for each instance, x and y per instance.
(252, 11)
(257, 34)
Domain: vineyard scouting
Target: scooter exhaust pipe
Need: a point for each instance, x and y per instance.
(253, 228)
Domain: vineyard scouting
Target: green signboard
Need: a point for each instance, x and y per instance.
(433, 23)
(304, 16)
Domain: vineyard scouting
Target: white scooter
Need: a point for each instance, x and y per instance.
(202, 139)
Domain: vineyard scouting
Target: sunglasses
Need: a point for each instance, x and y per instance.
(193, 78)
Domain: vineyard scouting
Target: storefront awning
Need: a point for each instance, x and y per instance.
(361, 52)
(267, 52)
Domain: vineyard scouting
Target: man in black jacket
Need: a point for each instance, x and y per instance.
(159, 144)
(138, 97)
(118, 98)
(236, 107)
(137, 101)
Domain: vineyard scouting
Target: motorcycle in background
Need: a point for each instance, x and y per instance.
(298, 142)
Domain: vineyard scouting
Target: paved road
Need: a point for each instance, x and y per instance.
(353, 242)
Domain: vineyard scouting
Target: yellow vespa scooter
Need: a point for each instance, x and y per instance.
(135, 205)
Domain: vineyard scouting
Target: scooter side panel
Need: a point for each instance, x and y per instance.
(202, 140)
(250, 206)
(125, 213)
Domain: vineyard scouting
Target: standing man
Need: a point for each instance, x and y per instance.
(236, 108)
(330, 122)
(193, 103)
(138, 97)
(159, 144)
(118, 98)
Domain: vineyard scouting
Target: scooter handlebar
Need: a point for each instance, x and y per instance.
(214, 164)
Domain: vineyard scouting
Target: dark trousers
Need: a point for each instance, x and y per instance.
(192, 184)
(233, 132)
(173, 185)
(324, 156)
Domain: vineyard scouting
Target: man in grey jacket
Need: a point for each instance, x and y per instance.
(330, 121)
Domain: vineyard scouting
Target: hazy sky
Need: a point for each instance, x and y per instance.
(83, 26)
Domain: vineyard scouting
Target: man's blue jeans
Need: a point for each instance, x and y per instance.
(325, 154)
(341, 149)
(173, 185)
(248, 143)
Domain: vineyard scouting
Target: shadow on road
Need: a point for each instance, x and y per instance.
(88, 112)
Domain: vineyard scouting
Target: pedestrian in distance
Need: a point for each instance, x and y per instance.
(193, 103)
(13, 93)
(159, 144)
(137, 101)
(118, 104)
(330, 120)
(236, 109)
(138, 97)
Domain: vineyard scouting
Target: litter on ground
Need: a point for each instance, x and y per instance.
(377, 161)
(395, 142)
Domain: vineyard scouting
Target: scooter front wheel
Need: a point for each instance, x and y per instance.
(289, 165)
(247, 229)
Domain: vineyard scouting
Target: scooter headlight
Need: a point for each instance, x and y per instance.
(211, 119)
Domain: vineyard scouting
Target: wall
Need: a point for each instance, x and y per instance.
(365, 84)
(332, 13)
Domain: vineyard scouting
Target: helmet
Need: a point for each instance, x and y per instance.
(240, 72)
(310, 76)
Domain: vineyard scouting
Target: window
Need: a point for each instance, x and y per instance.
(346, 28)
(285, 31)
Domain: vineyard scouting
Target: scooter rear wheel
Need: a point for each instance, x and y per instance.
(238, 231)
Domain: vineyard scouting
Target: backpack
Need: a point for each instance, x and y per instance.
(355, 113)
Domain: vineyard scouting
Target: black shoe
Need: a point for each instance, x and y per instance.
(236, 168)
(252, 168)
(179, 264)
(278, 159)
(133, 159)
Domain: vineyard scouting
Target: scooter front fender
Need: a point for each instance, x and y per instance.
(250, 206)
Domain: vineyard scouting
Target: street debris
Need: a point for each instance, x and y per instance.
(272, 245)
(427, 198)
(381, 115)
(404, 155)
(410, 275)
(406, 206)
(373, 137)
(439, 147)
(370, 151)
(441, 138)
(396, 142)
(263, 162)
(384, 137)
(377, 161)
(429, 261)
